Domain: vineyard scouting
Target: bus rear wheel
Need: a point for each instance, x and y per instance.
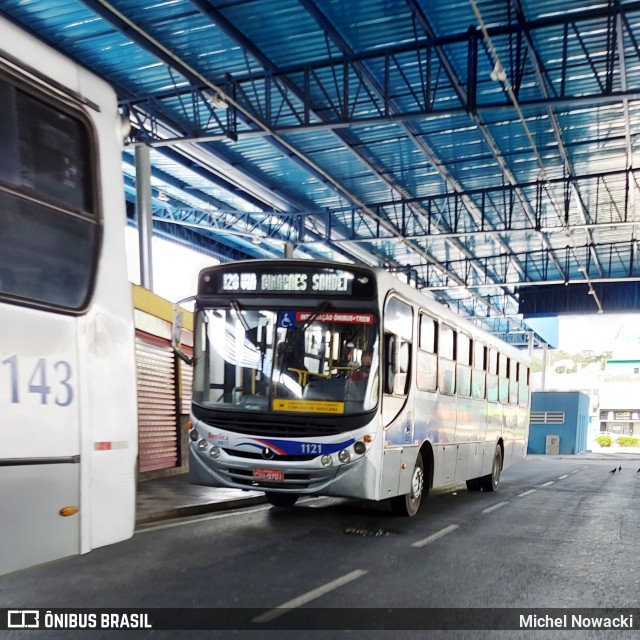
(492, 481)
(282, 500)
(408, 504)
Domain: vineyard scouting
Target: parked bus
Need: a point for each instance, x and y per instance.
(330, 379)
(68, 434)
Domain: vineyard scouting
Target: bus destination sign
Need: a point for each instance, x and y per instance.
(297, 281)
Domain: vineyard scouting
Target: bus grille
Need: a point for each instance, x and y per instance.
(258, 456)
(276, 429)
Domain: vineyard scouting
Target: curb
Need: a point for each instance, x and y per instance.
(199, 509)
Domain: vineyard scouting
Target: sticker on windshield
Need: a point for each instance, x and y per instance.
(308, 406)
(337, 316)
(287, 319)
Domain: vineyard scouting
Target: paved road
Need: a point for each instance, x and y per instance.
(558, 533)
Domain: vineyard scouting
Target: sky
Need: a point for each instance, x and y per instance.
(175, 276)
(175, 268)
(596, 332)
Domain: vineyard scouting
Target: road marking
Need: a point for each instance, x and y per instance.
(546, 484)
(526, 493)
(495, 506)
(435, 536)
(575, 471)
(566, 475)
(309, 596)
(186, 521)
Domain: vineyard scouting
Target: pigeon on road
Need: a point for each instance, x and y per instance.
(613, 470)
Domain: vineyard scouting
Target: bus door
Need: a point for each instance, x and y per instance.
(397, 416)
(39, 438)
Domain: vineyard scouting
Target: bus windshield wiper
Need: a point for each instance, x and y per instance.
(243, 321)
(321, 308)
(299, 331)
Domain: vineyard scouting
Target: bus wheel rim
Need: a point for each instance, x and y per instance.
(417, 482)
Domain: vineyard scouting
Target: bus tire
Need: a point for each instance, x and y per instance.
(282, 500)
(492, 481)
(408, 504)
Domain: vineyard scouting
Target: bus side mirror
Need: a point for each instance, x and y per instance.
(176, 329)
(176, 333)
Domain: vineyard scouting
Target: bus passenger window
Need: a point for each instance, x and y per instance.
(492, 376)
(427, 334)
(427, 365)
(523, 385)
(503, 380)
(478, 373)
(446, 360)
(398, 365)
(513, 381)
(464, 349)
(493, 362)
(463, 368)
(398, 325)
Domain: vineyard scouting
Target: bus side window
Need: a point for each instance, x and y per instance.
(427, 365)
(398, 324)
(390, 347)
(463, 367)
(492, 376)
(478, 373)
(523, 385)
(397, 365)
(513, 381)
(446, 360)
(503, 379)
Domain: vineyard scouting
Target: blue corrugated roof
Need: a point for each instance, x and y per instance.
(475, 141)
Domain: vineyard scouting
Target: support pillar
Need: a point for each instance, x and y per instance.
(144, 215)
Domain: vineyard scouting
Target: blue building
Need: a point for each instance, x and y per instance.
(562, 415)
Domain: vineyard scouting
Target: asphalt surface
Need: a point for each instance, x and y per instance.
(560, 532)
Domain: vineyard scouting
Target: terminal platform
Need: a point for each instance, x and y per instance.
(174, 497)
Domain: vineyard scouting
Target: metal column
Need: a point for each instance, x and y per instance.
(144, 215)
(545, 355)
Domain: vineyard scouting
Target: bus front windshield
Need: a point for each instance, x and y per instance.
(322, 362)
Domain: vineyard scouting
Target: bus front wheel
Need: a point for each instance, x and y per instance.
(408, 504)
(490, 482)
(283, 500)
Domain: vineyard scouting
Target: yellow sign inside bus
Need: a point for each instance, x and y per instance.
(308, 406)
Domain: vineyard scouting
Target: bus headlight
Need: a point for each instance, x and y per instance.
(214, 452)
(359, 447)
(193, 434)
(202, 445)
(344, 456)
(326, 461)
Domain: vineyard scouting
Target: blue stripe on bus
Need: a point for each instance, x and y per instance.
(297, 448)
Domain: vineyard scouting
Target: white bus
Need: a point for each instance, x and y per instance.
(68, 432)
(329, 379)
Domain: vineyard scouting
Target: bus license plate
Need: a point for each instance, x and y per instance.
(269, 475)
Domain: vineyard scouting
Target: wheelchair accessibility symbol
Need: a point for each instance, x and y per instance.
(287, 319)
